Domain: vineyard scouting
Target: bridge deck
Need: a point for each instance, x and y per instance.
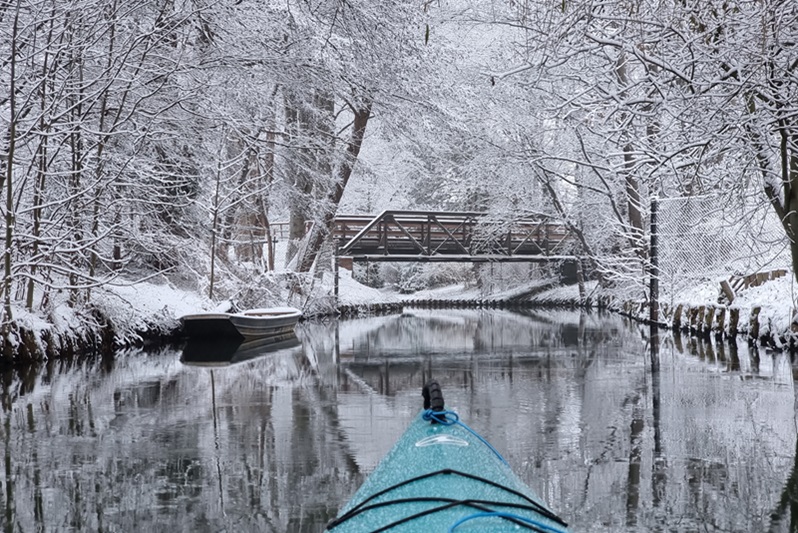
(448, 236)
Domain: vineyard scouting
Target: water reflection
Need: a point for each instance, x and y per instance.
(619, 428)
(225, 351)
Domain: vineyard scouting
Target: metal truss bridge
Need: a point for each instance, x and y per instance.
(427, 236)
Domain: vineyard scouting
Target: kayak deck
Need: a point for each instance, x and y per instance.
(442, 476)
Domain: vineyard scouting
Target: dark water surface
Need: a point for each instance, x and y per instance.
(702, 440)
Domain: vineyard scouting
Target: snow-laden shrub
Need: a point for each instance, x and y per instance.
(369, 274)
(412, 277)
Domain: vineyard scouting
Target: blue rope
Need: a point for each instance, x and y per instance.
(450, 418)
(501, 514)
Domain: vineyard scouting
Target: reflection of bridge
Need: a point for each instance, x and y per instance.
(449, 236)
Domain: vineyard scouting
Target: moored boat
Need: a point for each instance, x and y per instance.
(267, 322)
(441, 476)
(248, 324)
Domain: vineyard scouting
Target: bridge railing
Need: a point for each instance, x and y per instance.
(408, 235)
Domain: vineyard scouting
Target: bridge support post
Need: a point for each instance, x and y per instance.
(335, 270)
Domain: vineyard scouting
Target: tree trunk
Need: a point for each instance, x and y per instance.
(633, 199)
(785, 201)
(321, 231)
(264, 202)
(9, 217)
(790, 222)
(297, 125)
(631, 185)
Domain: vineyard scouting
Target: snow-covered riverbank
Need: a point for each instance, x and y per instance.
(140, 313)
(763, 313)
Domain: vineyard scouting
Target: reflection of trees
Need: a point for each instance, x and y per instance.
(92, 447)
(9, 478)
(659, 480)
(454, 332)
(727, 455)
(635, 459)
(786, 512)
(581, 416)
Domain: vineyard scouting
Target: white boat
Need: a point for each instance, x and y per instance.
(249, 324)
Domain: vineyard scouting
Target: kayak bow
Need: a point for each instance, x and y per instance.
(443, 476)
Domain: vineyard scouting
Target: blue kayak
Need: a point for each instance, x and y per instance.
(441, 476)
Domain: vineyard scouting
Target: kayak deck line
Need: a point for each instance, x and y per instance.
(475, 504)
(517, 519)
(441, 475)
(450, 502)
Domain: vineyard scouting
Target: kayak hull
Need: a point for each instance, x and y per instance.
(438, 476)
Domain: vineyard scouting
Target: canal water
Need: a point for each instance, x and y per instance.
(616, 431)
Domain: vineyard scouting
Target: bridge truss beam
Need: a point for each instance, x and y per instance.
(439, 236)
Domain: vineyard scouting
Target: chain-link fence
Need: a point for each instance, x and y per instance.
(702, 238)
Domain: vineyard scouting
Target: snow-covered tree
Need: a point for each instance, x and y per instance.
(617, 102)
(97, 162)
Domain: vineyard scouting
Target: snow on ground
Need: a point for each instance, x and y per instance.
(775, 299)
(351, 292)
(566, 293)
(153, 298)
(132, 309)
(463, 291)
(155, 306)
(459, 291)
(700, 294)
